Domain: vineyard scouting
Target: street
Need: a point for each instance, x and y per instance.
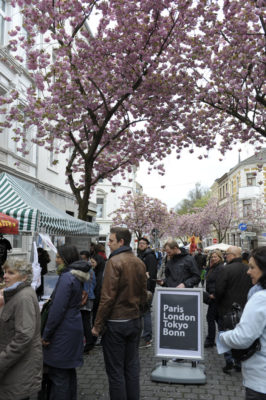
(93, 385)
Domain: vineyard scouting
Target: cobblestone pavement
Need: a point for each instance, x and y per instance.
(93, 384)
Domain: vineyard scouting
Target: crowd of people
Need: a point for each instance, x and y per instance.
(96, 300)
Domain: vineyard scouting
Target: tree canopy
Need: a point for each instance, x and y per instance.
(157, 76)
(197, 198)
(141, 214)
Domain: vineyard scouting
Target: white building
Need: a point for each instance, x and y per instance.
(108, 201)
(36, 172)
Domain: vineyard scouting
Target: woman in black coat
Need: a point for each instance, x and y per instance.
(216, 264)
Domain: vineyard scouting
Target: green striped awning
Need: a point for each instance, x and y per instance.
(21, 200)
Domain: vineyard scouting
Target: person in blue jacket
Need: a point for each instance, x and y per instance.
(252, 325)
(63, 334)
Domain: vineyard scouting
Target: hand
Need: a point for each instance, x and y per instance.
(44, 343)
(212, 296)
(148, 275)
(94, 332)
(181, 286)
(160, 282)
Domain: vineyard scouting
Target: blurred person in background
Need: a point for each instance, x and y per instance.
(216, 264)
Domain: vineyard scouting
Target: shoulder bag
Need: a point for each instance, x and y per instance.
(230, 320)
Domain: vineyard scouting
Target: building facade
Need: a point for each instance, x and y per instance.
(37, 169)
(108, 200)
(245, 187)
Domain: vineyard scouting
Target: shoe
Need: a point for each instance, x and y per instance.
(228, 367)
(145, 344)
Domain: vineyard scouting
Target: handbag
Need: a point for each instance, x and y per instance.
(229, 321)
(44, 313)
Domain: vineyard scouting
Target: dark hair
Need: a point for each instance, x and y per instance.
(122, 233)
(97, 258)
(68, 253)
(259, 256)
(245, 255)
(145, 240)
(172, 244)
(85, 253)
(99, 248)
(43, 256)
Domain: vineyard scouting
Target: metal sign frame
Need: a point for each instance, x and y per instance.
(166, 353)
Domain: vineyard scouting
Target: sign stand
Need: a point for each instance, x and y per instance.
(179, 335)
(179, 373)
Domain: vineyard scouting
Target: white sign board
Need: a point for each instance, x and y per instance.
(178, 323)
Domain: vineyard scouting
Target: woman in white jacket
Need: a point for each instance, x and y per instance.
(252, 326)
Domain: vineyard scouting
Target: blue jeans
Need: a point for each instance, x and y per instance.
(121, 355)
(147, 326)
(63, 383)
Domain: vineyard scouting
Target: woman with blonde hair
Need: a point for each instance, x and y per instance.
(20, 341)
(216, 264)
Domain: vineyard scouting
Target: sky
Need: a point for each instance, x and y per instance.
(182, 175)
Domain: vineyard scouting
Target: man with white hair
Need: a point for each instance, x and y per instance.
(231, 287)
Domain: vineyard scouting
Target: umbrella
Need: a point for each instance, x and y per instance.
(8, 225)
(218, 246)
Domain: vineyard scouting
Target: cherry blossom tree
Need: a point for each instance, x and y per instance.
(219, 217)
(223, 68)
(157, 76)
(141, 214)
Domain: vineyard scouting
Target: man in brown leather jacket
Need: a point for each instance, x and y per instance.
(124, 292)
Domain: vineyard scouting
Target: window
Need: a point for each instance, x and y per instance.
(102, 240)
(100, 207)
(24, 145)
(3, 7)
(247, 207)
(17, 242)
(251, 179)
(53, 154)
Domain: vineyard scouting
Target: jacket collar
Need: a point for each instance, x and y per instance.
(80, 269)
(10, 293)
(235, 260)
(121, 249)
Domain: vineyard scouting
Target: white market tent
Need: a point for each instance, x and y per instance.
(217, 246)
